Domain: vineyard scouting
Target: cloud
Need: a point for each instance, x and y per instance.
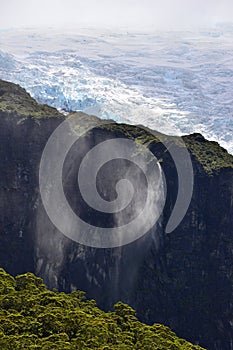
(154, 14)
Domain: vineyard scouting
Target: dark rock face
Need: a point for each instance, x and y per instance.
(183, 279)
(22, 143)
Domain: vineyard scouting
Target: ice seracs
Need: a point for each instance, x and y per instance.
(177, 83)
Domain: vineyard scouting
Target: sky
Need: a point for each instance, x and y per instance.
(135, 14)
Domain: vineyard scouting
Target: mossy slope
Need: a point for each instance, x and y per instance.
(209, 154)
(15, 99)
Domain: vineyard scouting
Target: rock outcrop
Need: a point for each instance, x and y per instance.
(183, 279)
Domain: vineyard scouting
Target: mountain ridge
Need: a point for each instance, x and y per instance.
(15, 99)
(183, 279)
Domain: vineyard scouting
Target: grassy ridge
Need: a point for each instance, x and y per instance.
(15, 99)
(211, 156)
(208, 153)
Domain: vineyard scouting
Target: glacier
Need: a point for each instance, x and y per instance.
(174, 82)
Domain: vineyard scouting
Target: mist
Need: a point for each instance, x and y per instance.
(128, 14)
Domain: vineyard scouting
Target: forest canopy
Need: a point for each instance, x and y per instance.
(33, 317)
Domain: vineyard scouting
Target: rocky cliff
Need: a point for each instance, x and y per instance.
(183, 279)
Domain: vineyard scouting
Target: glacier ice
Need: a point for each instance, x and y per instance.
(177, 83)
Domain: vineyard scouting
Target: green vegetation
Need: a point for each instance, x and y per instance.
(208, 153)
(211, 156)
(134, 132)
(32, 317)
(14, 99)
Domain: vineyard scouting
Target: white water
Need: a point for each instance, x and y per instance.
(176, 83)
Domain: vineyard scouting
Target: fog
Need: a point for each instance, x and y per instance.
(129, 14)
